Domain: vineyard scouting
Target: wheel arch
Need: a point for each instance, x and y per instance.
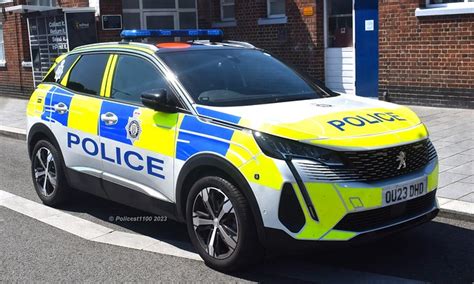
(202, 164)
(40, 131)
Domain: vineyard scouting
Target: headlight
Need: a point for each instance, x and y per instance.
(281, 148)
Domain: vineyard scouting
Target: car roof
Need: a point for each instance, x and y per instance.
(165, 47)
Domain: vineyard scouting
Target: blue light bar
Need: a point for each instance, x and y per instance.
(131, 34)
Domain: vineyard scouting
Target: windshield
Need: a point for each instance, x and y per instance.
(235, 77)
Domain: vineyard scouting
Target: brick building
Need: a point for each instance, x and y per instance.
(408, 51)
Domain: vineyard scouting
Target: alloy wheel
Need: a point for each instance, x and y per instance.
(45, 171)
(215, 222)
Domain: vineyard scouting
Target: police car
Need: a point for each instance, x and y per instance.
(223, 136)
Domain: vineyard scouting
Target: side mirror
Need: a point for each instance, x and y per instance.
(159, 100)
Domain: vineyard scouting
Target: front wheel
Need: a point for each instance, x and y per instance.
(48, 175)
(220, 225)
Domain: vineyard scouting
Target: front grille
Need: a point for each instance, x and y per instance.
(380, 217)
(370, 165)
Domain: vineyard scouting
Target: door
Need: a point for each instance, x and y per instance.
(75, 116)
(138, 142)
(367, 47)
(339, 43)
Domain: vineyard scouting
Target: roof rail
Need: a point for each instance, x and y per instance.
(223, 42)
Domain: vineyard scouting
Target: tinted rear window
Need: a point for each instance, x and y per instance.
(86, 75)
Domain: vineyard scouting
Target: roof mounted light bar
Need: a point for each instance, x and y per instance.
(140, 34)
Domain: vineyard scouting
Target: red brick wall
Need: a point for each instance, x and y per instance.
(426, 60)
(14, 79)
(298, 42)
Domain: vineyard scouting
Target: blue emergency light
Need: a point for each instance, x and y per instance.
(135, 34)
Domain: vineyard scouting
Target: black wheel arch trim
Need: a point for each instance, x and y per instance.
(210, 160)
(43, 129)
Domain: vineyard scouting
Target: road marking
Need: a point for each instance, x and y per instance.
(89, 230)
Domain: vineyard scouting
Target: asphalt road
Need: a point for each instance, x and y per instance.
(440, 251)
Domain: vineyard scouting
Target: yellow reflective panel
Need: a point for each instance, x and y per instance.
(105, 77)
(35, 107)
(263, 170)
(329, 208)
(360, 198)
(158, 133)
(336, 235)
(108, 89)
(242, 148)
(84, 114)
(433, 178)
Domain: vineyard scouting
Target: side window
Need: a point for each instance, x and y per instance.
(86, 75)
(57, 74)
(133, 76)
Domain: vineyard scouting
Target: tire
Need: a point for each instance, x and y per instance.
(52, 188)
(235, 244)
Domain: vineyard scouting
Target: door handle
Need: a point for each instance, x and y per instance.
(60, 108)
(109, 118)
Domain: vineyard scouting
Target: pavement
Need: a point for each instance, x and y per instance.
(451, 131)
(80, 242)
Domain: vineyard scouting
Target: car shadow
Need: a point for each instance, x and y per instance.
(434, 252)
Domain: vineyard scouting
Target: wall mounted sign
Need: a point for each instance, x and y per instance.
(308, 11)
(369, 25)
(112, 22)
(52, 34)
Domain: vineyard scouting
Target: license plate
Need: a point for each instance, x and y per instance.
(404, 191)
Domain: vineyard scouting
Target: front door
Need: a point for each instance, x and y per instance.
(138, 142)
(367, 47)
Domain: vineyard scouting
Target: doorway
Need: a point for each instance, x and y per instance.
(351, 46)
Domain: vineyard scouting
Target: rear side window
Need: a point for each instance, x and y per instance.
(57, 74)
(133, 76)
(86, 75)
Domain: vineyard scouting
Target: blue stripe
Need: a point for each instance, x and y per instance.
(61, 96)
(218, 115)
(191, 123)
(118, 131)
(198, 144)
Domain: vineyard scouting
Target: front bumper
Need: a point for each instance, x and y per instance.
(347, 210)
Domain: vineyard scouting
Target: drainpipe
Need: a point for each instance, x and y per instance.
(20, 54)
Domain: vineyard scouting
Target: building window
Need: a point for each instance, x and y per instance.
(446, 3)
(162, 14)
(50, 3)
(2, 46)
(227, 10)
(276, 8)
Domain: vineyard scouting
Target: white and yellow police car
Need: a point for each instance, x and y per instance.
(225, 137)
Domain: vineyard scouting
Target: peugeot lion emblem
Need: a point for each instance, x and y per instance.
(401, 158)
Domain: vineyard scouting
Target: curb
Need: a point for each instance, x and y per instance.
(12, 132)
(449, 208)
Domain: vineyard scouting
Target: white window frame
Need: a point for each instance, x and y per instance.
(222, 5)
(465, 3)
(52, 3)
(269, 2)
(140, 10)
(2, 47)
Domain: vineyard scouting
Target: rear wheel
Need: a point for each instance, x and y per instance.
(220, 225)
(48, 175)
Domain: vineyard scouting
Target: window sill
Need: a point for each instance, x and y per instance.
(272, 21)
(441, 11)
(3, 64)
(224, 24)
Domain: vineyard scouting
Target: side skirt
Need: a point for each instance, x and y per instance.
(120, 194)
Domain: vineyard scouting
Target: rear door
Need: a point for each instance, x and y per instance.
(76, 105)
(138, 142)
